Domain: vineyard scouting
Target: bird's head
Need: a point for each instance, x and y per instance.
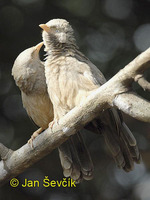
(56, 33)
(26, 66)
(33, 52)
(28, 56)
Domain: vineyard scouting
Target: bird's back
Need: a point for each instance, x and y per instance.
(29, 76)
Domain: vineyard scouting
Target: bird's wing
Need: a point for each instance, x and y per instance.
(117, 135)
(91, 72)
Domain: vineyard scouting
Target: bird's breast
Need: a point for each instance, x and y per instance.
(68, 84)
(39, 108)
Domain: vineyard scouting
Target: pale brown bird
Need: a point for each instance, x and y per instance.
(28, 72)
(70, 78)
(29, 75)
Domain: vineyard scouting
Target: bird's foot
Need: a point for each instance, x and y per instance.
(51, 124)
(34, 135)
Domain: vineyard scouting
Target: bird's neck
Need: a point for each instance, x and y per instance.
(61, 50)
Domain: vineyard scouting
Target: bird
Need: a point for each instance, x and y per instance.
(71, 77)
(29, 74)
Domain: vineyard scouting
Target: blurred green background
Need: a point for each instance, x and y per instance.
(111, 33)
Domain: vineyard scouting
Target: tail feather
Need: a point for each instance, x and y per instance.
(119, 139)
(129, 163)
(114, 147)
(75, 159)
(130, 140)
(65, 155)
(82, 152)
(131, 143)
(128, 136)
(119, 160)
(120, 151)
(111, 142)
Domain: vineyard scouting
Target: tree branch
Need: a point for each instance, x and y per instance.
(142, 82)
(113, 93)
(129, 104)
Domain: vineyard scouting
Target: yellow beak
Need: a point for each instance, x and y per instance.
(44, 27)
(38, 46)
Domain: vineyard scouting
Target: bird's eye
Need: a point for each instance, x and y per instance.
(54, 29)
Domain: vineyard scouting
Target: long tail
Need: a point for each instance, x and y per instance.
(119, 139)
(75, 159)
